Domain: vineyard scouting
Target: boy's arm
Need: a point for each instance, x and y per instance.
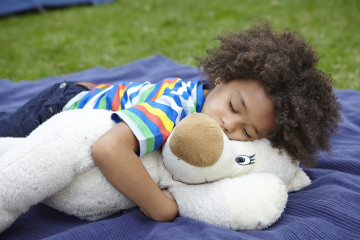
(115, 155)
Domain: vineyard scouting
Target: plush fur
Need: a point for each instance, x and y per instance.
(53, 165)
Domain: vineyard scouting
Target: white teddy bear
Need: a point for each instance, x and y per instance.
(231, 184)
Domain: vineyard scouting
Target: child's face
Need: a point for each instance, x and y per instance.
(242, 109)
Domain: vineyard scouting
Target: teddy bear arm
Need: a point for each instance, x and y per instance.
(47, 160)
(254, 201)
(28, 176)
(202, 202)
(8, 142)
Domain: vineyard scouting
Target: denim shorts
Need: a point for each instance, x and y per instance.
(39, 109)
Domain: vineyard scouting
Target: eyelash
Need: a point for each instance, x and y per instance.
(232, 108)
(243, 129)
(245, 132)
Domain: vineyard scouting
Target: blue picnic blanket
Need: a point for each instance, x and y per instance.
(8, 7)
(327, 209)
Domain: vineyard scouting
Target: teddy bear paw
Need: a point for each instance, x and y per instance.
(7, 217)
(255, 201)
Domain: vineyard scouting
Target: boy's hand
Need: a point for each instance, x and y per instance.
(88, 85)
(168, 194)
(172, 205)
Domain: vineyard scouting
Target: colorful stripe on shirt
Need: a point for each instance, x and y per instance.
(150, 110)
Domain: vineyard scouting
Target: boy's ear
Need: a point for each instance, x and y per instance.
(299, 181)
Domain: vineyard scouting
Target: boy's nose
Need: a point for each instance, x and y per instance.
(231, 124)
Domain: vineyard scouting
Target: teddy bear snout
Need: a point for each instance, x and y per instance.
(184, 142)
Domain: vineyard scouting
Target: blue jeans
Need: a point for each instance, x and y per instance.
(39, 109)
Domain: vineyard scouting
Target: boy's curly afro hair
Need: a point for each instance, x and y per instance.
(305, 108)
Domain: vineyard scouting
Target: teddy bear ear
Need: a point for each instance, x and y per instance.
(299, 181)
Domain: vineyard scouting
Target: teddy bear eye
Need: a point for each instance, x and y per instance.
(245, 159)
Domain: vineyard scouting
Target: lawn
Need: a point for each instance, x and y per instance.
(63, 41)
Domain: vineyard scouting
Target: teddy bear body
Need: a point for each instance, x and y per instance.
(53, 165)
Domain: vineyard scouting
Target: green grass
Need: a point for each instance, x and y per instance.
(63, 41)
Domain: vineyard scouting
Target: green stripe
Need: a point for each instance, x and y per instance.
(75, 105)
(102, 103)
(193, 108)
(144, 129)
(145, 94)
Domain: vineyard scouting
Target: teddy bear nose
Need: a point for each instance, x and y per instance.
(185, 144)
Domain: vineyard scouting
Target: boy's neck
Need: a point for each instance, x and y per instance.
(206, 92)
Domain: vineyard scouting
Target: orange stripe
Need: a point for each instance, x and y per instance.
(116, 101)
(100, 86)
(164, 84)
(155, 119)
(115, 105)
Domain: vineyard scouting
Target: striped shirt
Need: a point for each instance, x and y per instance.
(150, 110)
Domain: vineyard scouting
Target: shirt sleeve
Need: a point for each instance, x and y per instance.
(152, 122)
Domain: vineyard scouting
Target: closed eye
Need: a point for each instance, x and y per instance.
(232, 107)
(245, 132)
(243, 128)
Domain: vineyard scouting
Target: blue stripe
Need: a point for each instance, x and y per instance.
(178, 85)
(183, 114)
(134, 94)
(125, 97)
(110, 97)
(171, 113)
(187, 95)
(115, 117)
(84, 100)
(176, 99)
(151, 125)
(95, 93)
(200, 97)
(154, 91)
(96, 106)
